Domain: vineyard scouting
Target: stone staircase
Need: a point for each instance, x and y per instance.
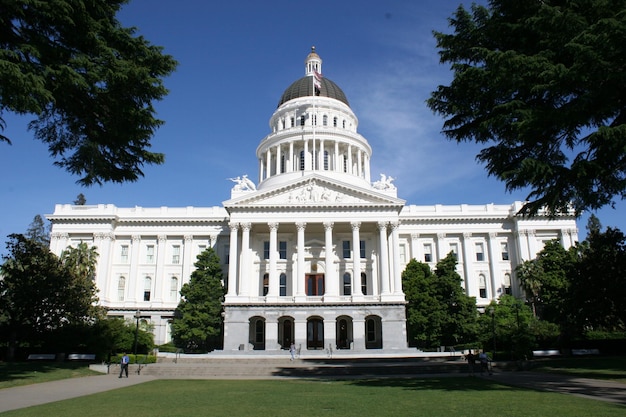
(282, 367)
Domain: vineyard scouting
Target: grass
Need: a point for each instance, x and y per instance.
(609, 368)
(447, 396)
(25, 373)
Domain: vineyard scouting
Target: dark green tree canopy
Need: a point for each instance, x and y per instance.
(89, 81)
(439, 313)
(542, 85)
(197, 323)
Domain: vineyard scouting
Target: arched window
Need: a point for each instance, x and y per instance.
(482, 285)
(174, 289)
(364, 283)
(121, 288)
(147, 288)
(507, 284)
(325, 120)
(334, 122)
(344, 124)
(283, 284)
(266, 284)
(347, 284)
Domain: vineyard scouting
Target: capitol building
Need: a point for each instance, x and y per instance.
(314, 250)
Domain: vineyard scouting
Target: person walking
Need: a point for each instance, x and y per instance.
(124, 365)
(471, 362)
(292, 351)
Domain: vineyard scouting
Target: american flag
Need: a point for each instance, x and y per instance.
(317, 82)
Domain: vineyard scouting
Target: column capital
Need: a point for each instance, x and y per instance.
(493, 235)
(233, 226)
(394, 225)
(467, 235)
(382, 226)
(355, 225)
(187, 238)
(135, 238)
(301, 226)
(328, 225)
(246, 226)
(273, 226)
(161, 238)
(415, 236)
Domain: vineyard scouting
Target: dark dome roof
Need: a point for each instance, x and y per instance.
(304, 87)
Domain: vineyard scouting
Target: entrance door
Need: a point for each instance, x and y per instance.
(315, 334)
(314, 284)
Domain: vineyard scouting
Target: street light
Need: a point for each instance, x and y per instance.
(137, 317)
(492, 311)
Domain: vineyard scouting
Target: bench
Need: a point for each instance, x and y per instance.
(582, 352)
(81, 357)
(42, 357)
(546, 352)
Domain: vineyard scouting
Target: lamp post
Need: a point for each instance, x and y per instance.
(492, 311)
(137, 317)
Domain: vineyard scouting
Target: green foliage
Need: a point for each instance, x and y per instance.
(516, 330)
(89, 81)
(38, 231)
(40, 295)
(541, 85)
(197, 324)
(438, 311)
(599, 284)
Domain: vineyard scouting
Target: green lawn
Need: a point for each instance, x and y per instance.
(25, 373)
(610, 368)
(448, 396)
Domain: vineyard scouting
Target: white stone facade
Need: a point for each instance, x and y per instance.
(312, 253)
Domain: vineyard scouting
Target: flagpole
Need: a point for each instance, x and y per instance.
(313, 119)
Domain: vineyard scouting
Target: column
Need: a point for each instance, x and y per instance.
(278, 160)
(244, 269)
(493, 249)
(268, 163)
(133, 280)
(467, 271)
(359, 167)
(289, 167)
(104, 242)
(350, 171)
(337, 165)
(232, 260)
(532, 243)
(300, 276)
(331, 284)
(159, 278)
(320, 157)
(307, 160)
(397, 273)
(356, 259)
(187, 261)
(441, 250)
(273, 276)
(384, 258)
(416, 250)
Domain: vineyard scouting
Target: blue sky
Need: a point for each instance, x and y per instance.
(235, 60)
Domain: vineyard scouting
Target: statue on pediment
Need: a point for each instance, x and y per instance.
(385, 183)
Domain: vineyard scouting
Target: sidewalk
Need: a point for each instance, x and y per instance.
(47, 392)
(36, 394)
(596, 389)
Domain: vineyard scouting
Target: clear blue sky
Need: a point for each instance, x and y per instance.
(236, 58)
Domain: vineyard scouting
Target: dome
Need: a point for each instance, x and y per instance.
(304, 87)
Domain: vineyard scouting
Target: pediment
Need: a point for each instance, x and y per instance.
(314, 191)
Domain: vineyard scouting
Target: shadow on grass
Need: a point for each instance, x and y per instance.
(22, 373)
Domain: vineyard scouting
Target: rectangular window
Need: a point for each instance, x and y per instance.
(454, 248)
(174, 289)
(403, 254)
(428, 252)
(266, 250)
(362, 249)
(227, 253)
(124, 254)
(292, 122)
(302, 119)
(176, 254)
(507, 284)
(346, 249)
(505, 251)
(121, 288)
(150, 254)
(282, 249)
(283, 285)
(480, 254)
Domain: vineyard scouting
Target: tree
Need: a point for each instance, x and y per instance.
(438, 311)
(38, 231)
(197, 324)
(599, 285)
(80, 200)
(89, 82)
(39, 294)
(541, 85)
